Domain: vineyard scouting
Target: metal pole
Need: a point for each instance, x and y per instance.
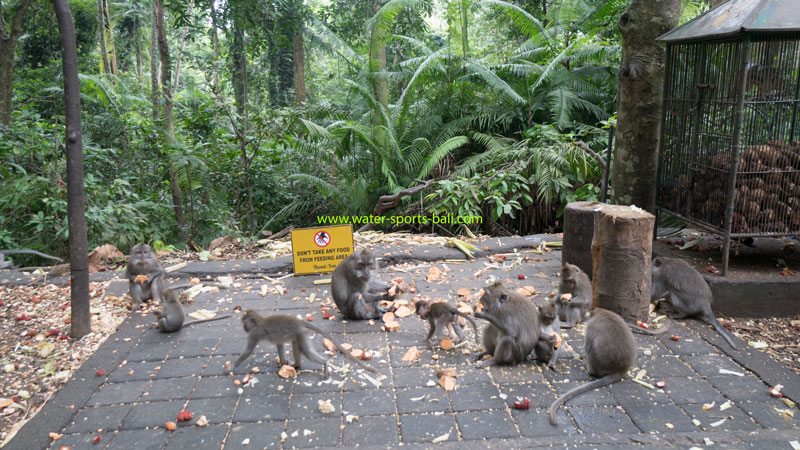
(608, 163)
(737, 143)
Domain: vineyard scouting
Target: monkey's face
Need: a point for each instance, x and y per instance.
(249, 320)
(493, 297)
(423, 309)
(142, 254)
(366, 265)
(549, 312)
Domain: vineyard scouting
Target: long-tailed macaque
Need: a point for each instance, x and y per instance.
(513, 329)
(145, 275)
(441, 315)
(356, 288)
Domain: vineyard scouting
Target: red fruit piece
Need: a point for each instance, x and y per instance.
(51, 332)
(97, 439)
(521, 276)
(31, 333)
(100, 372)
(15, 398)
(63, 338)
(675, 338)
(237, 308)
(326, 315)
(184, 416)
(309, 318)
(524, 404)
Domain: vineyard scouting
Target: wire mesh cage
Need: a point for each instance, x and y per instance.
(729, 160)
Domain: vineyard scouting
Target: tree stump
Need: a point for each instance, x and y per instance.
(621, 252)
(578, 234)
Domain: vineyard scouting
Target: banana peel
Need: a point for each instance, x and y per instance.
(465, 247)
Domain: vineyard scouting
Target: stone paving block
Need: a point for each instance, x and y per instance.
(181, 367)
(517, 373)
(189, 349)
(216, 410)
(323, 432)
(140, 371)
(647, 346)
(602, 420)
(151, 352)
(363, 341)
(709, 365)
(371, 432)
(434, 399)
(413, 376)
(215, 387)
(595, 397)
(737, 420)
(630, 393)
(101, 417)
(369, 402)
(539, 394)
(115, 393)
(256, 408)
(358, 380)
(405, 338)
(467, 374)
(747, 387)
(312, 383)
(486, 425)
(454, 357)
(306, 405)
(170, 388)
(534, 423)
(692, 391)
(396, 356)
(568, 370)
(766, 414)
(664, 367)
(247, 436)
(152, 414)
(192, 438)
(476, 397)
(689, 344)
(81, 440)
(651, 418)
(138, 439)
(427, 427)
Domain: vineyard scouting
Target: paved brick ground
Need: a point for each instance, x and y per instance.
(151, 376)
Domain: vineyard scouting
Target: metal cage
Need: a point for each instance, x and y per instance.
(729, 158)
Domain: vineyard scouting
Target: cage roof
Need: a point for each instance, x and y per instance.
(738, 16)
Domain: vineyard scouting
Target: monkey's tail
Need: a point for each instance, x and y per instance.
(721, 330)
(338, 347)
(31, 252)
(186, 324)
(474, 327)
(600, 382)
(188, 285)
(654, 332)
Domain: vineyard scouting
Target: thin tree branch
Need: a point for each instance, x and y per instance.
(390, 201)
(585, 147)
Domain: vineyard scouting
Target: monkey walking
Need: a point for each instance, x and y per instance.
(356, 288)
(575, 282)
(441, 315)
(548, 348)
(687, 292)
(513, 329)
(282, 329)
(9, 265)
(171, 316)
(145, 275)
(609, 350)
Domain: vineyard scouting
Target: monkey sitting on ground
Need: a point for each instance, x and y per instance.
(145, 275)
(171, 316)
(282, 329)
(609, 350)
(513, 329)
(548, 348)
(356, 288)
(574, 281)
(441, 315)
(686, 290)
(9, 265)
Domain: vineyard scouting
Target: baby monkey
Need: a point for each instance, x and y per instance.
(441, 315)
(171, 316)
(548, 348)
(282, 329)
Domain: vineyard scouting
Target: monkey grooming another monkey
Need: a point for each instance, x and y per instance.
(441, 315)
(356, 289)
(548, 348)
(8, 264)
(513, 329)
(145, 275)
(171, 316)
(609, 350)
(574, 281)
(282, 329)
(686, 290)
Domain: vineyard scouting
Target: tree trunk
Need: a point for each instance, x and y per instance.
(641, 81)
(109, 37)
(299, 66)
(169, 124)
(180, 53)
(215, 43)
(578, 235)
(80, 324)
(377, 63)
(137, 33)
(621, 251)
(154, 97)
(8, 45)
(101, 37)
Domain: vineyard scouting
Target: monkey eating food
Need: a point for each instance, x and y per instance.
(145, 275)
(513, 329)
(548, 348)
(171, 316)
(572, 308)
(686, 291)
(441, 315)
(610, 351)
(356, 288)
(282, 329)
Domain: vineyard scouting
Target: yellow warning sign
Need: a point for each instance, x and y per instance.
(321, 249)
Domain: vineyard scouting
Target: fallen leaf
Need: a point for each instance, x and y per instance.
(411, 355)
(45, 349)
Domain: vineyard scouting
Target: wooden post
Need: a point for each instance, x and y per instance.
(621, 253)
(578, 234)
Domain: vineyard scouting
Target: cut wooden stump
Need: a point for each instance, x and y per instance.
(621, 252)
(578, 235)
